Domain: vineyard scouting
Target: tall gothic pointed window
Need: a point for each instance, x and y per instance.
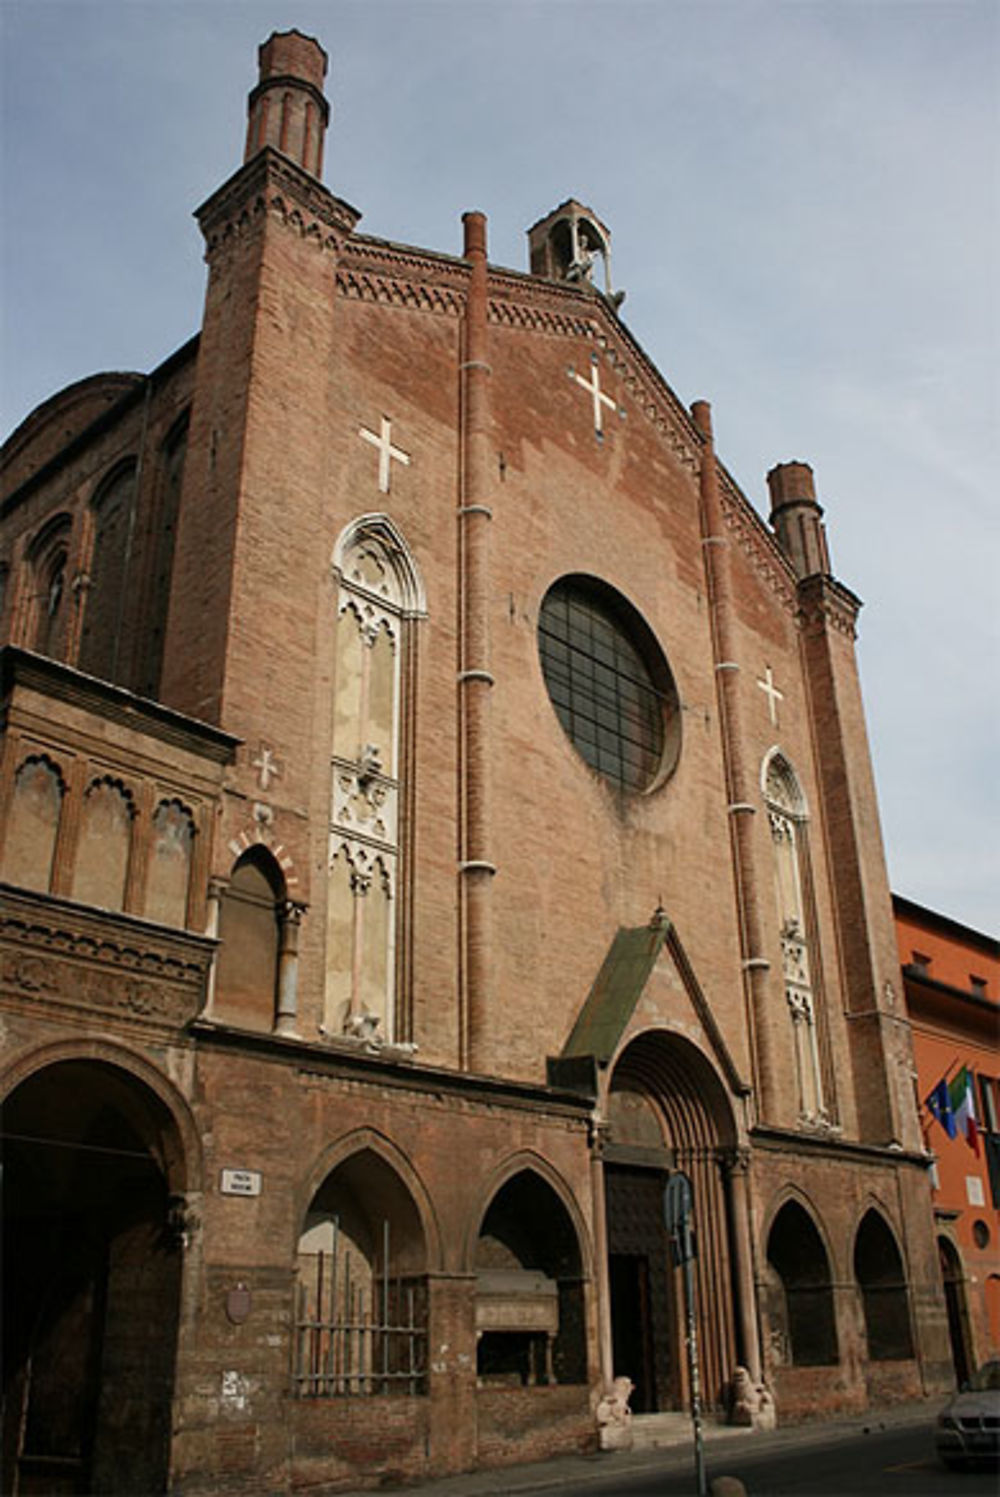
(786, 810)
(378, 595)
(49, 611)
(101, 644)
(157, 600)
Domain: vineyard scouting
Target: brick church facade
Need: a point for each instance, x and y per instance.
(436, 807)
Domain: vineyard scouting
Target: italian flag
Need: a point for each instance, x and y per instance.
(963, 1108)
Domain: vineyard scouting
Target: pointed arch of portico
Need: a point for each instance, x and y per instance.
(183, 1160)
(793, 1192)
(872, 1201)
(800, 1281)
(882, 1279)
(370, 1140)
(526, 1161)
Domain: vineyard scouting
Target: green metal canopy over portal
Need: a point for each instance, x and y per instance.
(616, 991)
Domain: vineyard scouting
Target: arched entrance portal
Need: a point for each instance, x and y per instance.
(92, 1268)
(957, 1310)
(668, 1110)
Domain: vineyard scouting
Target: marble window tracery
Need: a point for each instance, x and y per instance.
(378, 592)
(787, 817)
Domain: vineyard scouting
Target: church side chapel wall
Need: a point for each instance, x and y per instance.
(88, 538)
(98, 815)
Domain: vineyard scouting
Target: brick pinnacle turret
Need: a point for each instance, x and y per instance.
(287, 110)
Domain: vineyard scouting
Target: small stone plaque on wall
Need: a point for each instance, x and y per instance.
(240, 1183)
(238, 1304)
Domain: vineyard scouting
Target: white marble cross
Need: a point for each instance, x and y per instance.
(593, 387)
(774, 696)
(268, 766)
(386, 451)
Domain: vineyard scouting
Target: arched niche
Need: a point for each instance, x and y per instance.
(250, 914)
(788, 821)
(956, 1308)
(878, 1269)
(530, 1313)
(379, 596)
(361, 1294)
(33, 823)
(170, 857)
(800, 1291)
(104, 845)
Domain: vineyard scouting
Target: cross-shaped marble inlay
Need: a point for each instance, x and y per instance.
(774, 696)
(267, 766)
(593, 388)
(387, 453)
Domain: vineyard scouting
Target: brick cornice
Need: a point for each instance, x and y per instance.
(347, 1064)
(799, 1142)
(377, 270)
(757, 542)
(24, 669)
(358, 284)
(824, 604)
(270, 185)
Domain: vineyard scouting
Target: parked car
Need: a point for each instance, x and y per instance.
(968, 1427)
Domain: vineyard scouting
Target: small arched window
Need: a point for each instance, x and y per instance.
(49, 587)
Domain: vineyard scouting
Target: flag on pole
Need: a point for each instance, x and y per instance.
(938, 1104)
(963, 1108)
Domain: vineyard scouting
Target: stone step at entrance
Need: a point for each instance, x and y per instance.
(651, 1431)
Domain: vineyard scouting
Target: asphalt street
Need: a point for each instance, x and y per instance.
(889, 1453)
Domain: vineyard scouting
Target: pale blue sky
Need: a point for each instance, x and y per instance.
(804, 198)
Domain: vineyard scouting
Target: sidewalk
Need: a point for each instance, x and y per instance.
(673, 1452)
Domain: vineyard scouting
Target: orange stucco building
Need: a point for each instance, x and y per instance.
(951, 979)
